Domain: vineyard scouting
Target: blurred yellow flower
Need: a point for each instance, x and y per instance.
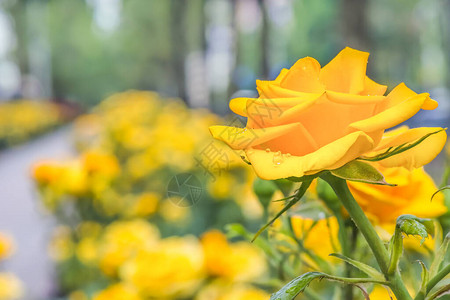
(223, 186)
(381, 293)
(98, 163)
(6, 246)
(122, 240)
(239, 261)
(46, 173)
(225, 291)
(412, 195)
(118, 291)
(143, 205)
(319, 236)
(11, 287)
(87, 251)
(64, 178)
(22, 119)
(173, 268)
(172, 212)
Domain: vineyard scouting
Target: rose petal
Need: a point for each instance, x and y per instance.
(267, 113)
(238, 106)
(364, 193)
(417, 156)
(344, 98)
(284, 142)
(270, 90)
(391, 116)
(303, 76)
(281, 76)
(371, 88)
(402, 92)
(241, 138)
(269, 165)
(346, 72)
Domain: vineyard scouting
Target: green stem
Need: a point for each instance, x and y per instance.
(438, 277)
(344, 241)
(396, 245)
(376, 245)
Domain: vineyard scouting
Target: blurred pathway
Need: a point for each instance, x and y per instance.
(21, 215)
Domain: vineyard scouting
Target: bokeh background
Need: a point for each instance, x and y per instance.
(60, 59)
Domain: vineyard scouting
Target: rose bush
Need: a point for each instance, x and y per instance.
(311, 119)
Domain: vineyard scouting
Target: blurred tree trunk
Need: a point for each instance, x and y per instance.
(354, 25)
(178, 35)
(18, 13)
(265, 66)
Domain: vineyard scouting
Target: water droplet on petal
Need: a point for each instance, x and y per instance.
(278, 158)
(267, 150)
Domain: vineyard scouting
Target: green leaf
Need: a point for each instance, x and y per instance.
(412, 225)
(361, 172)
(299, 194)
(284, 185)
(305, 178)
(444, 290)
(298, 285)
(399, 149)
(409, 225)
(235, 230)
(439, 256)
(313, 210)
(371, 271)
(425, 276)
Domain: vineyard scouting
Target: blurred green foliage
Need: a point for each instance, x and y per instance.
(408, 41)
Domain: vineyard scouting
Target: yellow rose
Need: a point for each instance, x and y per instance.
(319, 236)
(171, 269)
(10, 287)
(122, 240)
(412, 195)
(143, 205)
(118, 291)
(219, 290)
(100, 164)
(46, 173)
(6, 246)
(239, 261)
(311, 119)
(381, 293)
